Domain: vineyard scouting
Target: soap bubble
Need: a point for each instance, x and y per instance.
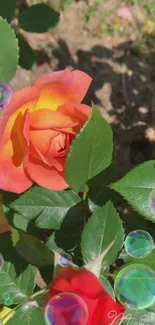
(8, 302)
(7, 299)
(6, 96)
(139, 243)
(1, 261)
(66, 308)
(65, 260)
(135, 286)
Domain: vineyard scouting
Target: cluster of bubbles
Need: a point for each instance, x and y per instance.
(6, 96)
(134, 285)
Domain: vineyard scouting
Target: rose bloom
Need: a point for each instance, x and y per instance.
(37, 129)
(102, 308)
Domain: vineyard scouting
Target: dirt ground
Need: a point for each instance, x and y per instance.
(123, 75)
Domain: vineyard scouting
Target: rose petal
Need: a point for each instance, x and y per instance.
(23, 131)
(62, 87)
(113, 311)
(41, 139)
(59, 146)
(25, 98)
(48, 177)
(13, 177)
(80, 112)
(45, 119)
(82, 280)
(58, 162)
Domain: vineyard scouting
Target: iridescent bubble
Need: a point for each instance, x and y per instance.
(8, 302)
(139, 243)
(135, 286)
(65, 260)
(6, 96)
(66, 308)
(1, 261)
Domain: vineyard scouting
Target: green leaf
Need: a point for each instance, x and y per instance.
(7, 9)
(49, 207)
(31, 249)
(99, 193)
(107, 286)
(26, 55)
(90, 152)
(67, 238)
(137, 186)
(17, 221)
(14, 219)
(105, 223)
(16, 277)
(27, 315)
(38, 18)
(8, 52)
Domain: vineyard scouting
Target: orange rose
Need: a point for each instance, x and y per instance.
(37, 129)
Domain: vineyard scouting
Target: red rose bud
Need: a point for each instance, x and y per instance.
(83, 289)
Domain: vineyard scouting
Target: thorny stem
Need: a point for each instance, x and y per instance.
(38, 293)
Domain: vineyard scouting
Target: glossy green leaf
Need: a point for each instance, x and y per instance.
(18, 221)
(49, 207)
(31, 249)
(99, 192)
(90, 152)
(38, 18)
(9, 52)
(68, 237)
(137, 186)
(103, 227)
(17, 278)
(28, 315)
(7, 9)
